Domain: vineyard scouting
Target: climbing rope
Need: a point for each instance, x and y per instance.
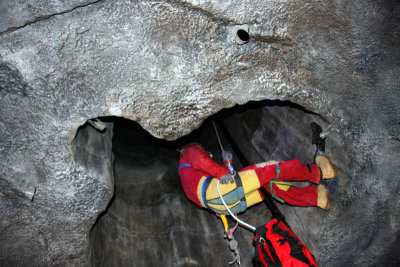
(242, 223)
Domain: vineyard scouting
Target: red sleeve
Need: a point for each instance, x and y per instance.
(199, 159)
(190, 179)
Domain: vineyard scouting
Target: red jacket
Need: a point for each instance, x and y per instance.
(200, 165)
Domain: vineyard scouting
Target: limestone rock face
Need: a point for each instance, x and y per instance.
(169, 65)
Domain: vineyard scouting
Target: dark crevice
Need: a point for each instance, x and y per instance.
(45, 17)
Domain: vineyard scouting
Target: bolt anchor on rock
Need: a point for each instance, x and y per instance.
(29, 189)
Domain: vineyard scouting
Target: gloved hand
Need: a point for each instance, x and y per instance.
(226, 179)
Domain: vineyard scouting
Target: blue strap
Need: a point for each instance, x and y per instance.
(204, 187)
(278, 170)
(185, 165)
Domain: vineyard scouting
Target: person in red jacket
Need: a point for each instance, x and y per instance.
(199, 175)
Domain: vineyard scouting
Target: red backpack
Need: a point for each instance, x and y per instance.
(277, 245)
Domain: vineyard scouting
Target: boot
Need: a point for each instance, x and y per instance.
(323, 201)
(329, 170)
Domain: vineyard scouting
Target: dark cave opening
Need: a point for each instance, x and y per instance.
(150, 221)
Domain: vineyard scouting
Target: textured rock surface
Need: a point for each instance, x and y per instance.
(169, 65)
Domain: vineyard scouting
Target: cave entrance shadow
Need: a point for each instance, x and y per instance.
(149, 221)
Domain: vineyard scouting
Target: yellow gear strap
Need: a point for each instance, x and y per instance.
(225, 222)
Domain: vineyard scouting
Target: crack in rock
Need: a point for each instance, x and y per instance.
(45, 17)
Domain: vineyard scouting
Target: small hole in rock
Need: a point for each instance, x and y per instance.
(243, 35)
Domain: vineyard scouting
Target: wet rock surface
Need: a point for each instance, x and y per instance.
(169, 65)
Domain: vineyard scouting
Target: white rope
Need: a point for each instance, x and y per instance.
(248, 226)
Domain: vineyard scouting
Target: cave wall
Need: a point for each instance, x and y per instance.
(169, 65)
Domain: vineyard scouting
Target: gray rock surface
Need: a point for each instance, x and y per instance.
(171, 64)
(19, 13)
